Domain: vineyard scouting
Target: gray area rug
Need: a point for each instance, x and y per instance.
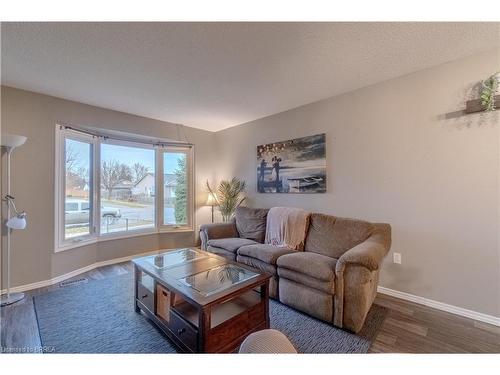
(99, 317)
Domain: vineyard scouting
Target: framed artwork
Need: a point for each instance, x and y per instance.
(293, 166)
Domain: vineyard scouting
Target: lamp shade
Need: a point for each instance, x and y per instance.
(211, 201)
(17, 222)
(12, 140)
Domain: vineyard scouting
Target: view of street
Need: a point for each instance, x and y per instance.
(130, 216)
(133, 216)
(127, 188)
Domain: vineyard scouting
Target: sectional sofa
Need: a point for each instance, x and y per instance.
(333, 278)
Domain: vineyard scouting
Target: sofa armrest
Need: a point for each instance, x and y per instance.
(217, 230)
(356, 278)
(369, 253)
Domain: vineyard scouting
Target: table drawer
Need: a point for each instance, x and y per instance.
(165, 299)
(183, 331)
(146, 296)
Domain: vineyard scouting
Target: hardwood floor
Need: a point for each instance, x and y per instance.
(413, 328)
(408, 328)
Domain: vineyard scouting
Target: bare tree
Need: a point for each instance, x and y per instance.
(77, 179)
(74, 172)
(83, 176)
(112, 173)
(139, 171)
(71, 158)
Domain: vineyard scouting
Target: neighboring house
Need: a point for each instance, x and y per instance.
(146, 186)
(170, 182)
(76, 186)
(121, 191)
(78, 192)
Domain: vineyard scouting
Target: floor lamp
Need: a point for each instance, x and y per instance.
(18, 221)
(211, 201)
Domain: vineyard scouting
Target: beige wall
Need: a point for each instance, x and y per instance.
(35, 116)
(398, 152)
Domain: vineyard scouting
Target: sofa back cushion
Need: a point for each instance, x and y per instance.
(251, 223)
(333, 236)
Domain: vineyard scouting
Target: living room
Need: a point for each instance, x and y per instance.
(250, 187)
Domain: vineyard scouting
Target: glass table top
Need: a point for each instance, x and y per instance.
(218, 278)
(174, 258)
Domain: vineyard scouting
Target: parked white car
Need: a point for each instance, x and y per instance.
(77, 212)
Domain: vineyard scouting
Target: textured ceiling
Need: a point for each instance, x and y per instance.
(216, 75)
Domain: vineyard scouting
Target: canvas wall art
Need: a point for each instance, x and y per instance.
(294, 166)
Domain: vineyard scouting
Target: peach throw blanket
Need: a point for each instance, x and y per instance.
(287, 227)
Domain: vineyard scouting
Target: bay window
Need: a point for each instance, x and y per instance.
(76, 170)
(127, 174)
(110, 188)
(176, 187)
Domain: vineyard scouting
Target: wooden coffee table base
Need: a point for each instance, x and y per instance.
(203, 325)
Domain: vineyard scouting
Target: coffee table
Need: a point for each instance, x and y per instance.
(203, 302)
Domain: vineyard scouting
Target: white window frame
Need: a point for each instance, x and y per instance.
(95, 235)
(133, 232)
(188, 150)
(60, 189)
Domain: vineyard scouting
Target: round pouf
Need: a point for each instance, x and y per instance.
(267, 341)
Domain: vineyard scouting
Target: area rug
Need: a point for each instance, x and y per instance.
(98, 317)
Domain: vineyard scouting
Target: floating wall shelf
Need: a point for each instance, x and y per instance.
(473, 106)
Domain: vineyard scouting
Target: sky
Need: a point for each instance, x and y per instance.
(306, 152)
(170, 161)
(81, 150)
(128, 155)
(124, 154)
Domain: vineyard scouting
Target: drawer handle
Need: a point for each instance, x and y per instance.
(144, 296)
(180, 331)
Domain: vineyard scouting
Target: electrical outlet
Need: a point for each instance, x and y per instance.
(396, 257)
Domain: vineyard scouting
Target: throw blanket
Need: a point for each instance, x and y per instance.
(287, 227)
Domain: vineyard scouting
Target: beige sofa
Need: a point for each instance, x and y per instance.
(334, 279)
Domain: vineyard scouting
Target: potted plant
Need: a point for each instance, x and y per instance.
(228, 196)
(488, 91)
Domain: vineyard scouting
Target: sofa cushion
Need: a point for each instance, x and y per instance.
(311, 264)
(333, 236)
(301, 278)
(265, 253)
(257, 264)
(230, 244)
(251, 223)
(221, 252)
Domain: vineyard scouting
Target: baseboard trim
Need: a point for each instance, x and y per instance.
(441, 306)
(58, 279)
(390, 292)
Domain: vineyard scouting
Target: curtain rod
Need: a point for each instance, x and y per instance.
(125, 138)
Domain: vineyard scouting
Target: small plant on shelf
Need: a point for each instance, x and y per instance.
(228, 196)
(489, 90)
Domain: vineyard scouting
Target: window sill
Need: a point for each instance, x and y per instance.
(176, 230)
(76, 244)
(120, 236)
(112, 237)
